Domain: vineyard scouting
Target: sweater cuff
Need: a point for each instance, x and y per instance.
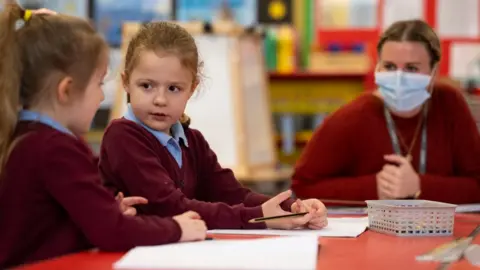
(249, 213)
(174, 230)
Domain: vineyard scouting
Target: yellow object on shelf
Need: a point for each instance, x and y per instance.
(312, 96)
(300, 136)
(94, 136)
(285, 50)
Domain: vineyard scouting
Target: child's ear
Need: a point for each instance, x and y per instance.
(194, 87)
(125, 82)
(65, 90)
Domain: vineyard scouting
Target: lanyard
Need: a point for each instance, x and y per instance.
(396, 145)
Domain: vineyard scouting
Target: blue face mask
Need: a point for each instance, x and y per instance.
(403, 91)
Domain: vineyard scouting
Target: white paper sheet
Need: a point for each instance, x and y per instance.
(468, 208)
(280, 253)
(464, 60)
(449, 24)
(337, 227)
(397, 10)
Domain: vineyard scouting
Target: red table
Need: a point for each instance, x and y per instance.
(368, 251)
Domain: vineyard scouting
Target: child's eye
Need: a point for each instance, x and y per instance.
(146, 86)
(173, 88)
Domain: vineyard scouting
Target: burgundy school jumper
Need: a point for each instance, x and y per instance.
(52, 202)
(134, 161)
(346, 151)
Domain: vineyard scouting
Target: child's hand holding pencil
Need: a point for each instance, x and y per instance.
(319, 218)
(276, 218)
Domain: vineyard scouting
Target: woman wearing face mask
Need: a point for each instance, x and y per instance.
(411, 138)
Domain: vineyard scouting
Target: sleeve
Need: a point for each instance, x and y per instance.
(321, 169)
(220, 185)
(464, 186)
(73, 180)
(144, 175)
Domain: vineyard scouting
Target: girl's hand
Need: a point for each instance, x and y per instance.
(126, 204)
(43, 11)
(319, 217)
(192, 226)
(272, 208)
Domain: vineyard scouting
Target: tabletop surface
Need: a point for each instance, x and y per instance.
(370, 250)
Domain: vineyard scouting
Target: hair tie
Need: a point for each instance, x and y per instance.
(27, 15)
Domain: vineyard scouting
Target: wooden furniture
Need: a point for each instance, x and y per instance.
(300, 101)
(369, 251)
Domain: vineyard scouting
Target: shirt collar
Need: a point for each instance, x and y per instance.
(176, 130)
(26, 115)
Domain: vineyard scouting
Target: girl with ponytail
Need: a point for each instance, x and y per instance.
(52, 201)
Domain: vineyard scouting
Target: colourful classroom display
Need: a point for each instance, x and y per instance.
(281, 50)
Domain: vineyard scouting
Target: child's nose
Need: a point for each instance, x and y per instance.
(160, 100)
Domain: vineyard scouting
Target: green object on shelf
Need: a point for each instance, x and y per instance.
(270, 47)
(309, 32)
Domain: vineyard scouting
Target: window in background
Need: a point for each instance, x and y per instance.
(77, 8)
(110, 14)
(458, 19)
(395, 10)
(244, 11)
(112, 80)
(344, 14)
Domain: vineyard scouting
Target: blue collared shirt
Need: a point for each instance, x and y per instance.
(26, 115)
(172, 143)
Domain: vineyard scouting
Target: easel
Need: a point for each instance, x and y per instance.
(232, 113)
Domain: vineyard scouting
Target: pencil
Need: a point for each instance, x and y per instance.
(262, 219)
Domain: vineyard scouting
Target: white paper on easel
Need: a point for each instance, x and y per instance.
(281, 253)
(397, 10)
(213, 110)
(464, 60)
(258, 126)
(458, 18)
(337, 227)
(112, 80)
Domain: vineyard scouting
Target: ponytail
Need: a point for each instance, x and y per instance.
(10, 76)
(185, 120)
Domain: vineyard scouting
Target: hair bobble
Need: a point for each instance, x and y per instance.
(27, 14)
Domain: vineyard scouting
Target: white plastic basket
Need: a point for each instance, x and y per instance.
(411, 217)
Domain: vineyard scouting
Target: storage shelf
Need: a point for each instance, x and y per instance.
(315, 76)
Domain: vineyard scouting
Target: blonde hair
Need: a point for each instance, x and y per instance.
(36, 57)
(413, 30)
(167, 38)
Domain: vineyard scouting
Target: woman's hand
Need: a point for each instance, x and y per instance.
(396, 182)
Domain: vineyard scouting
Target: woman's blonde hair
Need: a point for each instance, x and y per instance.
(413, 30)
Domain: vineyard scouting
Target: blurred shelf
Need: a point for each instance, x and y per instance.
(300, 137)
(94, 136)
(315, 76)
(266, 175)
